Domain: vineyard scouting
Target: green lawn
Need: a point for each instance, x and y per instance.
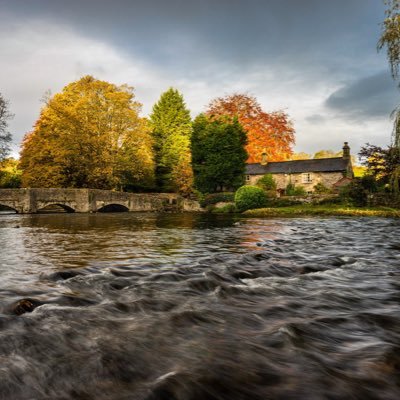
(300, 210)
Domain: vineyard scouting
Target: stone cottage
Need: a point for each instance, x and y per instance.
(331, 172)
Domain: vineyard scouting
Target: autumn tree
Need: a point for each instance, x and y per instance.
(328, 154)
(390, 39)
(272, 132)
(10, 173)
(5, 136)
(300, 156)
(218, 154)
(383, 164)
(390, 36)
(89, 135)
(171, 128)
(333, 154)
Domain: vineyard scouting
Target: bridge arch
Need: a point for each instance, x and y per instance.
(55, 208)
(33, 200)
(113, 207)
(8, 208)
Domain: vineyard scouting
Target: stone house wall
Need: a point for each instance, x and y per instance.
(328, 179)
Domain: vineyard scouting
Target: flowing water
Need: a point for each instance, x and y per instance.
(196, 307)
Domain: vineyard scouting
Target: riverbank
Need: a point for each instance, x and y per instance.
(323, 210)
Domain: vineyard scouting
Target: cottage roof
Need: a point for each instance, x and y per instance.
(299, 166)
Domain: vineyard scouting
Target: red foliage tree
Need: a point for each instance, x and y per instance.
(271, 132)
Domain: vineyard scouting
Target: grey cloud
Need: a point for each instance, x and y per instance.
(365, 98)
(184, 34)
(316, 119)
(286, 52)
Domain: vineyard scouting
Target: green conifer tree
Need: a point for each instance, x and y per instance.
(218, 154)
(172, 127)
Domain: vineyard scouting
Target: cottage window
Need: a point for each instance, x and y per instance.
(306, 178)
(247, 178)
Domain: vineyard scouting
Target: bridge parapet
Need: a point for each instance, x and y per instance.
(28, 201)
(132, 201)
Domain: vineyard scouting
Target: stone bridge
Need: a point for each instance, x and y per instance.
(30, 201)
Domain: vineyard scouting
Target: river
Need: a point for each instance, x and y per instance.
(198, 307)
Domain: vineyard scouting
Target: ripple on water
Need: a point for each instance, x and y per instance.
(158, 307)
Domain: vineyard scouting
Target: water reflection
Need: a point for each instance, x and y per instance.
(86, 240)
(4, 210)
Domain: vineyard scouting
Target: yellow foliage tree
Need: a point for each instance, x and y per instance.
(89, 135)
(10, 174)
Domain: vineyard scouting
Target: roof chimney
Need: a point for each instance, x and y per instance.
(346, 151)
(264, 159)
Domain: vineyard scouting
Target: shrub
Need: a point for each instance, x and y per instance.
(320, 188)
(300, 191)
(369, 183)
(249, 197)
(289, 191)
(200, 197)
(358, 190)
(214, 198)
(354, 193)
(292, 190)
(267, 183)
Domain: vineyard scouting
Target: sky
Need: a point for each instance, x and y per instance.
(316, 60)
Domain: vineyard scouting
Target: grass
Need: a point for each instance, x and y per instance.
(324, 210)
(226, 209)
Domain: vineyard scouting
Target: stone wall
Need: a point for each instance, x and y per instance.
(189, 205)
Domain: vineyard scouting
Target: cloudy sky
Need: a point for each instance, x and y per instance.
(315, 59)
